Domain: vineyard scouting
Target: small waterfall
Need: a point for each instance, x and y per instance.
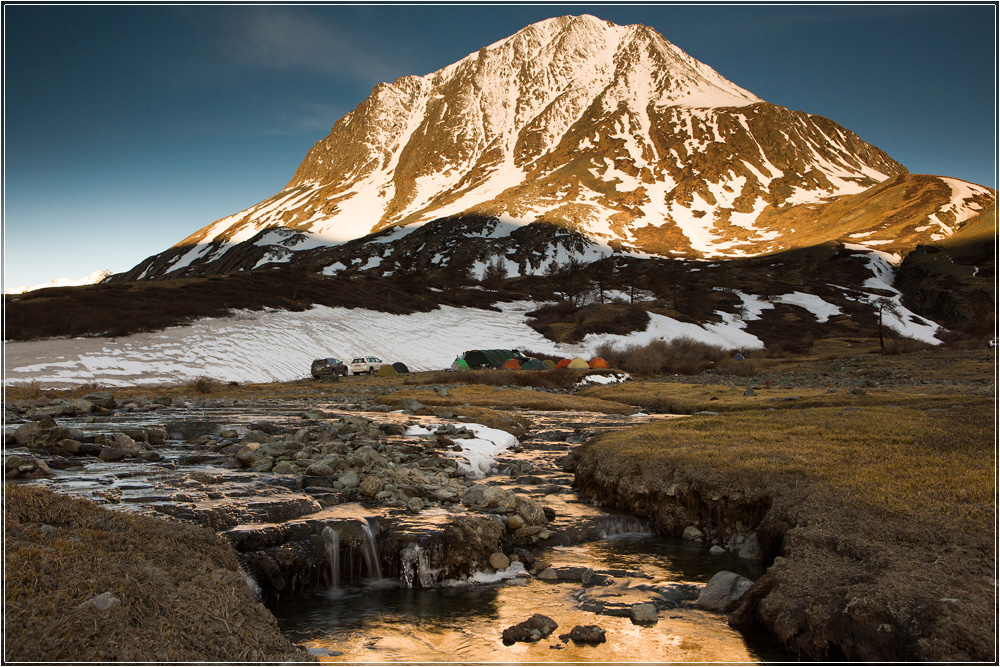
(331, 538)
(370, 552)
(619, 525)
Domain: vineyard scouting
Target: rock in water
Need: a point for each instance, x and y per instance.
(535, 628)
(643, 614)
(585, 634)
(723, 591)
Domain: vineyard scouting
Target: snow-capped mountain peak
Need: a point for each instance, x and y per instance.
(609, 131)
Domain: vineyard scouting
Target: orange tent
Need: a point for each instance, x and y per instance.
(563, 363)
(597, 362)
(512, 364)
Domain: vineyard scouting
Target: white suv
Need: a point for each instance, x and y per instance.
(369, 365)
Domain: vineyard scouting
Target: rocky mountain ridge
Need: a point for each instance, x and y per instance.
(608, 133)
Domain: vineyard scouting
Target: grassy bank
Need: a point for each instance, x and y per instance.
(182, 596)
(877, 523)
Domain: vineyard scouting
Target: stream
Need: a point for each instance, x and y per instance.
(353, 615)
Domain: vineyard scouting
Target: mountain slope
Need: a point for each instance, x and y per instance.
(608, 131)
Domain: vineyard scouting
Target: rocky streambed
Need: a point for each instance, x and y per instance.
(344, 499)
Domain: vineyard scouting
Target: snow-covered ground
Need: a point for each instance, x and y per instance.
(279, 345)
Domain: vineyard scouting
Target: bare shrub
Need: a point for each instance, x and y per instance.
(204, 385)
(684, 356)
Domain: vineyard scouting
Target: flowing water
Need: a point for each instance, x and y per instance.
(359, 616)
(388, 623)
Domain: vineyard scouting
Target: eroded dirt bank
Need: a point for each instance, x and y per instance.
(842, 582)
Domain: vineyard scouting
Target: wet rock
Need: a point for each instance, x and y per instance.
(415, 504)
(499, 561)
(118, 447)
(535, 628)
(692, 534)
(102, 399)
(371, 486)
(102, 602)
(412, 405)
(723, 592)
(644, 614)
(750, 550)
(585, 634)
(393, 429)
(17, 466)
(514, 523)
(716, 550)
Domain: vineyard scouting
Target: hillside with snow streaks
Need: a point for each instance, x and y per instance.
(609, 131)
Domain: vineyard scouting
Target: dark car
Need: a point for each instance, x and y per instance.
(323, 368)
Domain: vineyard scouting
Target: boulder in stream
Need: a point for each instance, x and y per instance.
(535, 628)
(585, 634)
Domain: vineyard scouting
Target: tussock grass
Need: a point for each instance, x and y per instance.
(937, 466)
(183, 597)
(499, 398)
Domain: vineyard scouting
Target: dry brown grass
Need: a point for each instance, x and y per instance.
(557, 378)
(936, 465)
(500, 398)
(183, 598)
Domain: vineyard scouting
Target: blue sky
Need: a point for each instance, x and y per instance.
(127, 128)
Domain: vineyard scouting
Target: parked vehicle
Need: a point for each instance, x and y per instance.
(322, 368)
(369, 365)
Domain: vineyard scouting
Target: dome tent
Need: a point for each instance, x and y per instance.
(459, 364)
(387, 371)
(563, 363)
(578, 363)
(400, 367)
(512, 365)
(490, 358)
(598, 362)
(534, 365)
(549, 364)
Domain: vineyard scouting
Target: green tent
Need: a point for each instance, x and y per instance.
(400, 367)
(533, 365)
(549, 364)
(459, 364)
(490, 358)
